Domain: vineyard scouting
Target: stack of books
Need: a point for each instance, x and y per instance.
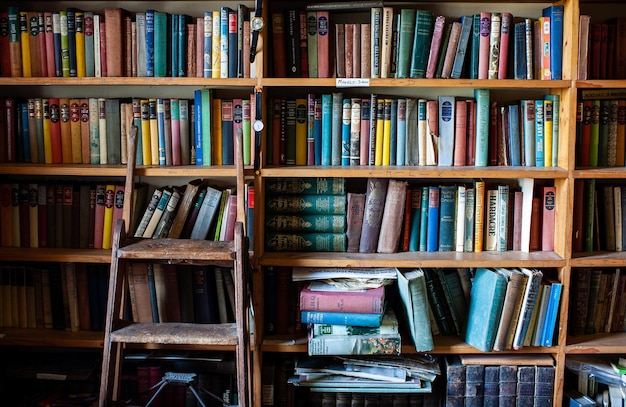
(348, 322)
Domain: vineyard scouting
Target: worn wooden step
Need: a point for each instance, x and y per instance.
(177, 333)
(178, 251)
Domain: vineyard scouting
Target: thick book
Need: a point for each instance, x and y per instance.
(354, 220)
(319, 296)
(412, 289)
(485, 308)
(516, 284)
(391, 223)
(455, 381)
(307, 204)
(355, 345)
(375, 195)
(306, 186)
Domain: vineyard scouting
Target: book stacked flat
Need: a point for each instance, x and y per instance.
(305, 214)
(348, 322)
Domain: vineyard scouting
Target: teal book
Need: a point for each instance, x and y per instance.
(486, 301)
(197, 142)
(447, 211)
(306, 186)
(482, 126)
(412, 288)
(455, 296)
(307, 204)
(405, 42)
(336, 125)
(346, 110)
(173, 44)
(421, 43)
(515, 146)
(432, 237)
(205, 114)
(527, 118)
(416, 217)
(552, 314)
(327, 120)
(475, 46)
(438, 303)
(305, 242)
(306, 223)
(341, 318)
(423, 221)
(89, 45)
(161, 48)
(462, 47)
(539, 133)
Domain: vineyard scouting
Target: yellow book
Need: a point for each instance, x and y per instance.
(301, 130)
(154, 132)
(109, 205)
(77, 150)
(146, 149)
(47, 140)
(81, 64)
(378, 149)
(387, 132)
(216, 47)
(25, 42)
(216, 131)
(548, 116)
(479, 215)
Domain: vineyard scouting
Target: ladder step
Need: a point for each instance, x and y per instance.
(177, 333)
(178, 250)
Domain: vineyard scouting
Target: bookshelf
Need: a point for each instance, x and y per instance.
(563, 260)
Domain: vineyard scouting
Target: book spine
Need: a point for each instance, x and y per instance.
(446, 218)
(505, 35)
(370, 301)
(374, 206)
(433, 219)
(340, 318)
(494, 45)
(318, 242)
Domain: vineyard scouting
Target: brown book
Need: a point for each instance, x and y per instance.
(192, 50)
(185, 206)
(115, 41)
(372, 216)
(6, 232)
(340, 50)
(75, 131)
(460, 133)
(66, 130)
(139, 290)
(127, 56)
(279, 45)
(366, 56)
(349, 50)
(166, 289)
(450, 51)
(391, 224)
(356, 207)
(535, 225)
(199, 48)
(37, 55)
(82, 292)
(323, 45)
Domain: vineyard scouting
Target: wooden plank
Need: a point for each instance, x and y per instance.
(177, 333)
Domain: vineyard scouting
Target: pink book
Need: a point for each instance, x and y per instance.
(231, 217)
(364, 144)
(49, 40)
(199, 47)
(175, 126)
(460, 133)
(517, 220)
(435, 45)
(505, 35)
(318, 296)
(548, 219)
(483, 49)
(365, 54)
(323, 44)
(470, 145)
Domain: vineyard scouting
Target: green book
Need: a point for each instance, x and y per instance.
(405, 42)
(442, 49)
(421, 43)
(594, 134)
(423, 220)
(475, 47)
(161, 49)
(305, 223)
(65, 45)
(307, 204)
(306, 186)
(305, 242)
(412, 288)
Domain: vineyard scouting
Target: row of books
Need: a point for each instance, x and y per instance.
(598, 216)
(598, 301)
(199, 131)
(64, 296)
(601, 46)
(80, 43)
(166, 293)
(409, 43)
(601, 130)
(43, 215)
(332, 129)
(477, 380)
(594, 380)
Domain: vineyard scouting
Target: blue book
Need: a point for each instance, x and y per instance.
(341, 318)
(475, 47)
(423, 220)
(197, 106)
(401, 133)
(485, 307)
(345, 131)
(393, 134)
(447, 212)
(447, 106)
(527, 116)
(182, 45)
(153, 297)
(556, 117)
(327, 119)
(432, 237)
(161, 130)
(539, 136)
(25, 142)
(482, 126)
(232, 43)
(549, 324)
(461, 49)
(207, 46)
(514, 136)
(519, 50)
(224, 42)
(416, 218)
(89, 46)
(317, 131)
(56, 36)
(149, 43)
(555, 13)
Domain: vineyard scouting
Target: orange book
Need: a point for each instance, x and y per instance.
(545, 49)
(216, 131)
(47, 141)
(146, 148)
(479, 215)
(66, 130)
(15, 48)
(75, 130)
(25, 44)
(107, 224)
(84, 131)
(55, 130)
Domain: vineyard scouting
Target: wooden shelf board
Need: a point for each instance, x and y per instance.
(50, 338)
(600, 343)
(132, 81)
(416, 172)
(179, 250)
(413, 259)
(598, 259)
(422, 83)
(175, 333)
(89, 170)
(604, 172)
(600, 83)
(56, 255)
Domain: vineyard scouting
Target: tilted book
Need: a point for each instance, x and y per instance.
(391, 223)
(412, 288)
(372, 217)
(320, 296)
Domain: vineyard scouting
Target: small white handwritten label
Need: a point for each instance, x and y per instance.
(352, 82)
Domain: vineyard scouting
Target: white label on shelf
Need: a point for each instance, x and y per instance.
(352, 82)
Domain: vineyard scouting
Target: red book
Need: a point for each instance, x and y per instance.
(470, 145)
(99, 216)
(24, 212)
(535, 225)
(323, 45)
(230, 218)
(493, 134)
(36, 59)
(5, 62)
(279, 45)
(585, 138)
(548, 218)
(114, 39)
(517, 220)
(84, 131)
(7, 152)
(6, 232)
(42, 44)
(435, 46)
(55, 130)
(545, 41)
(460, 133)
(483, 48)
(406, 226)
(303, 44)
(324, 297)
(66, 130)
(505, 36)
(103, 50)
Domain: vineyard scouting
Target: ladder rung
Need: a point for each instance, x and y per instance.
(177, 333)
(178, 250)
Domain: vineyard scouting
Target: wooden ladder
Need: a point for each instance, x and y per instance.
(119, 331)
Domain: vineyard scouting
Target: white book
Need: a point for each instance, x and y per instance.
(502, 217)
(526, 185)
(158, 213)
(140, 19)
(422, 133)
(447, 107)
(528, 304)
(97, 62)
(491, 220)
(460, 218)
